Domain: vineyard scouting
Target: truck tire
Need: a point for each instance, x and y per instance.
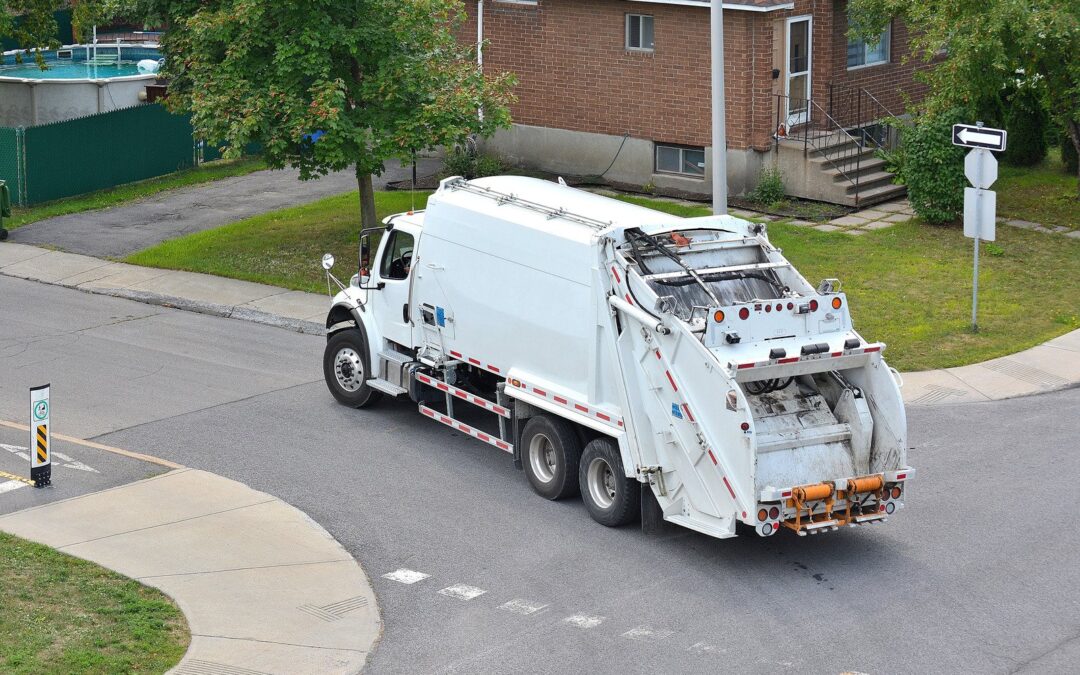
(611, 497)
(346, 369)
(550, 452)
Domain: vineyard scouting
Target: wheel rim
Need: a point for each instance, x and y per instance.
(542, 458)
(349, 370)
(601, 480)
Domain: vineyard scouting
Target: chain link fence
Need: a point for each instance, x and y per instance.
(82, 155)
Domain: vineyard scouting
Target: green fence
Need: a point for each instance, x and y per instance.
(82, 155)
(100, 151)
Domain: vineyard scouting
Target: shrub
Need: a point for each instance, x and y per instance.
(770, 187)
(933, 168)
(467, 162)
(1026, 120)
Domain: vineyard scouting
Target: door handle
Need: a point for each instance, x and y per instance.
(405, 313)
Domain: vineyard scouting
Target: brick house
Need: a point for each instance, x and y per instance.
(626, 83)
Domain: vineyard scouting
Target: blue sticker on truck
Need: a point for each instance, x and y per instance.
(675, 411)
(440, 317)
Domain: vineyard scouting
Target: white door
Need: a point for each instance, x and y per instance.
(797, 85)
(394, 275)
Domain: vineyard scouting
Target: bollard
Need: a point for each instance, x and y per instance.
(40, 437)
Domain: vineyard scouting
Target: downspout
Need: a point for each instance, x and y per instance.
(480, 46)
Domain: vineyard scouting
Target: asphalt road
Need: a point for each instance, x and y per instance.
(122, 230)
(978, 574)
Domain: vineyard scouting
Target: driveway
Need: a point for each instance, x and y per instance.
(122, 230)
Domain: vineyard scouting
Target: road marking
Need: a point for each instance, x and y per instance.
(705, 648)
(584, 621)
(524, 607)
(69, 462)
(15, 477)
(98, 446)
(404, 576)
(10, 485)
(462, 592)
(646, 633)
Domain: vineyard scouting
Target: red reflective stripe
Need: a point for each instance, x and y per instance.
(560, 399)
(500, 410)
(620, 423)
(688, 414)
(872, 349)
(479, 401)
(464, 427)
(838, 353)
(671, 380)
(712, 457)
(501, 445)
(618, 279)
(483, 437)
(474, 362)
(492, 368)
(901, 476)
(785, 493)
(460, 394)
(790, 359)
(429, 413)
(456, 355)
(745, 365)
(446, 420)
(629, 301)
(581, 407)
(442, 385)
(603, 417)
(728, 485)
(539, 392)
(657, 352)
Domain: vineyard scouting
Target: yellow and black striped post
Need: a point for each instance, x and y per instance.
(40, 439)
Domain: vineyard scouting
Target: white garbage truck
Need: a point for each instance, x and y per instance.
(674, 368)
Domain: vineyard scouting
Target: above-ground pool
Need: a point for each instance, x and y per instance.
(78, 81)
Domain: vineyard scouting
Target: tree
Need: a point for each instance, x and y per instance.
(324, 86)
(32, 23)
(977, 50)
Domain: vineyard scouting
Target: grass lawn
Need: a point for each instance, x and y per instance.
(206, 173)
(909, 285)
(1043, 194)
(281, 248)
(63, 615)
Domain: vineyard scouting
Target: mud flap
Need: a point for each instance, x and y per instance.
(652, 516)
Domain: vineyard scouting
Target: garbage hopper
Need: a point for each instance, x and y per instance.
(5, 207)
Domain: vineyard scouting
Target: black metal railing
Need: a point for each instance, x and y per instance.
(852, 127)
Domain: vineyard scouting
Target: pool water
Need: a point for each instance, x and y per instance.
(69, 71)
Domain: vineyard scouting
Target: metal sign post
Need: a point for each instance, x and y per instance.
(980, 203)
(40, 437)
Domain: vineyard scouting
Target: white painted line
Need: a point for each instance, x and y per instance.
(10, 485)
(69, 462)
(462, 592)
(584, 621)
(523, 607)
(646, 633)
(404, 576)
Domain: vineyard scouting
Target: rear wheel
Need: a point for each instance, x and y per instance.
(551, 451)
(611, 497)
(346, 369)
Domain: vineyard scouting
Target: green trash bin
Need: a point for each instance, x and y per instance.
(5, 207)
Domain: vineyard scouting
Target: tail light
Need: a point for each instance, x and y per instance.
(837, 302)
(889, 508)
(774, 513)
(896, 492)
(745, 426)
(744, 314)
(719, 316)
(813, 305)
(763, 514)
(768, 308)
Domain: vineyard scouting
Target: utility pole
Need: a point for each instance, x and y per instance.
(719, 132)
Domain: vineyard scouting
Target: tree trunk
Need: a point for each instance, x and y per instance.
(1073, 129)
(368, 217)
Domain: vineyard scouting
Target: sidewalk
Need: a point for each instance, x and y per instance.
(1053, 365)
(264, 588)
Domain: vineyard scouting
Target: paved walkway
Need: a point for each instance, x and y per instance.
(119, 231)
(1050, 366)
(264, 588)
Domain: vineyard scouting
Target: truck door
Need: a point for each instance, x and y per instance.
(394, 271)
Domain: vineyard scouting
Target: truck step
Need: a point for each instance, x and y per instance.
(386, 387)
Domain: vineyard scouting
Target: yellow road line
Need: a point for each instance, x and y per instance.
(98, 446)
(5, 474)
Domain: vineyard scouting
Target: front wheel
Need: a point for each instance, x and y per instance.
(346, 369)
(611, 497)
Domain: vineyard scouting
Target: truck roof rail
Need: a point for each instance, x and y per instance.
(510, 198)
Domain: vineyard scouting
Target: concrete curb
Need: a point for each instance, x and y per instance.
(1047, 367)
(264, 588)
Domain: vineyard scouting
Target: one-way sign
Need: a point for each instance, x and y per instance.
(969, 136)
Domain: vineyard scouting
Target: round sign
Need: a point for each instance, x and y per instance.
(41, 410)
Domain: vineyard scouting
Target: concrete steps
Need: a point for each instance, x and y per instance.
(835, 168)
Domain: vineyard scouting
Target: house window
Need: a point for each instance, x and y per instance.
(639, 32)
(862, 53)
(680, 160)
